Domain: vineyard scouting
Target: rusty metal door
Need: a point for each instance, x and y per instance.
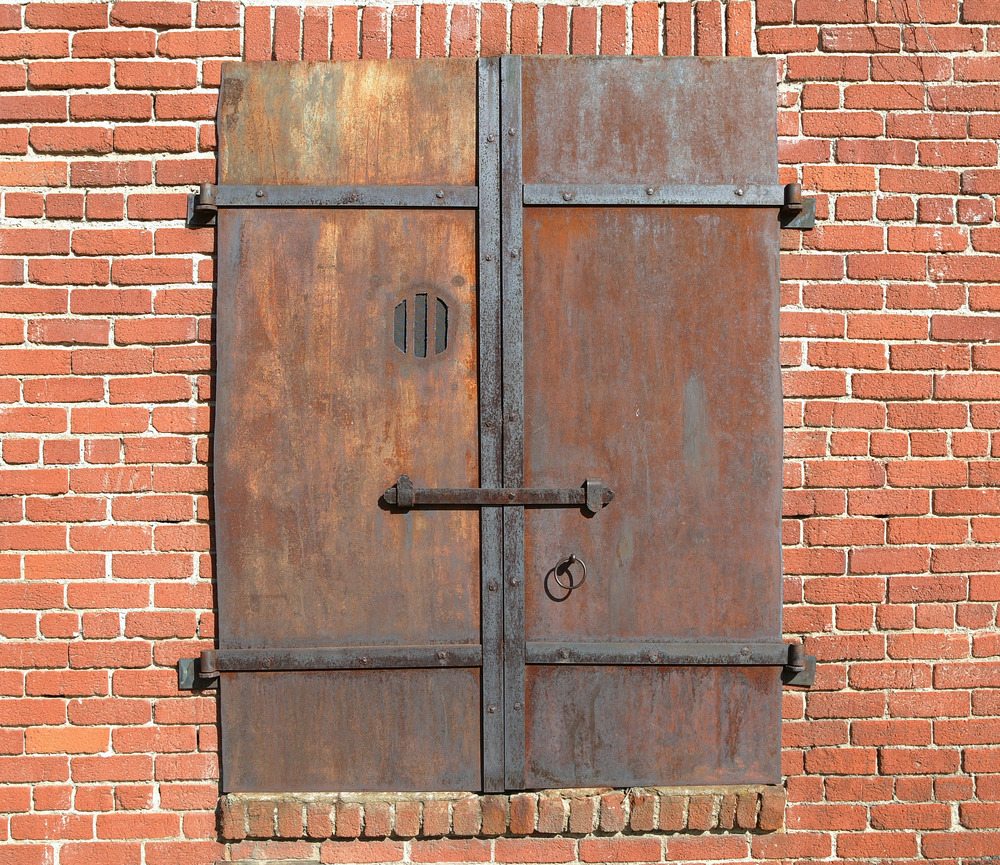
(537, 300)
(349, 635)
(650, 360)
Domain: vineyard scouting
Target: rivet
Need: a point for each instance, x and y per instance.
(517, 706)
(442, 655)
(489, 258)
(515, 582)
(266, 663)
(511, 131)
(511, 496)
(564, 653)
(492, 585)
(514, 253)
(745, 651)
(260, 193)
(653, 657)
(567, 196)
(492, 710)
(491, 137)
(363, 660)
(649, 190)
(739, 191)
(439, 194)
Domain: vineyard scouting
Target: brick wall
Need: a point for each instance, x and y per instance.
(888, 112)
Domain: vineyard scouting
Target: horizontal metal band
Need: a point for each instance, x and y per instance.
(340, 658)
(664, 654)
(343, 196)
(630, 195)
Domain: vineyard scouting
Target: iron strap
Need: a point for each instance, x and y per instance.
(338, 196)
(630, 195)
(512, 299)
(340, 658)
(665, 654)
(490, 423)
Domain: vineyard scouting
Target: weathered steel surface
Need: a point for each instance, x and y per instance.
(490, 422)
(643, 195)
(317, 408)
(650, 121)
(351, 730)
(389, 122)
(632, 726)
(345, 196)
(651, 359)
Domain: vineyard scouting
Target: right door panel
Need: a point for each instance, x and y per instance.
(650, 362)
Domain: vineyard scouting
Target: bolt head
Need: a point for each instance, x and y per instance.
(492, 585)
(489, 258)
(649, 190)
(442, 655)
(491, 137)
(511, 131)
(492, 710)
(266, 663)
(567, 196)
(517, 705)
(260, 193)
(439, 194)
(564, 654)
(739, 191)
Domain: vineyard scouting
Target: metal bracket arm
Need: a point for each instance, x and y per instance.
(797, 212)
(593, 496)
(194, 675)
(800, 669)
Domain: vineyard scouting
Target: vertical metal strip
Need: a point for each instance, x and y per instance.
(490, 423)
(513, 419)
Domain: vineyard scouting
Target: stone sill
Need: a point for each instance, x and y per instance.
(289, 816)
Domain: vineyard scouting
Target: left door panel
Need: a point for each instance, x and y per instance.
(347, 356)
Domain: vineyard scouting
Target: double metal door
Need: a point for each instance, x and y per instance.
(498, 435)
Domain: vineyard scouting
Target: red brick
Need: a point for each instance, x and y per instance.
(287, 33)
(160, 14)
(785, 40)
(114, 44)
(524, 27)
(119, 173)
(447, 850)
(620, 849)
(374, 38)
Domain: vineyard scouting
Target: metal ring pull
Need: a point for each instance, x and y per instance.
(569, 561)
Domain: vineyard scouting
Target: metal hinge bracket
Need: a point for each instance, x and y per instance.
(797, 212)
(800, 670)
(190, 677)
(201, 210)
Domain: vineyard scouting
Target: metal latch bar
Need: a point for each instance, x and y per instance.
(593, 496)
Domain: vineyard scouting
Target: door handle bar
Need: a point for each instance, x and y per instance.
(592, 495)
